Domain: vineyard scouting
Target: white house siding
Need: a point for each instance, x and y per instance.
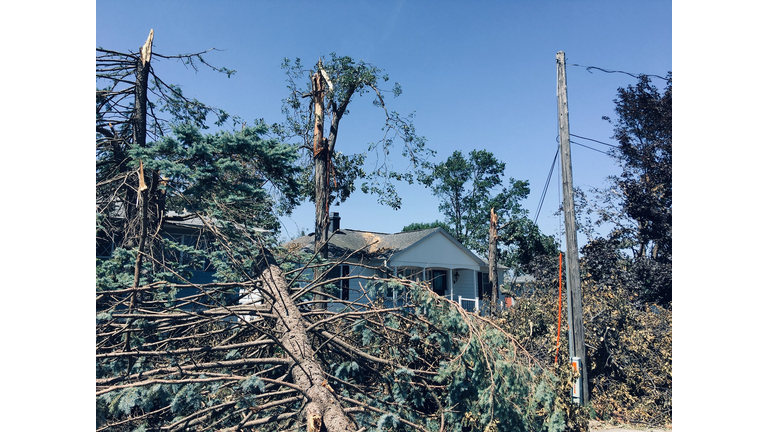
(435, 251)
(465, 286)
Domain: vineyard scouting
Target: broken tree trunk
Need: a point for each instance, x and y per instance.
(493, 261)
(322, 184)
(322, 406)
(321, 167)
(140, 139)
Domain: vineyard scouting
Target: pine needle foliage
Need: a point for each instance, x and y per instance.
(173, 354)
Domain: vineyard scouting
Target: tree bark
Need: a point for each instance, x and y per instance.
(322, 407)
(321, 167)
(493, 261)
(140, 139)
(322, 185)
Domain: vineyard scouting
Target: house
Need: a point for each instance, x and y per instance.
(188, 231)
(432, 255)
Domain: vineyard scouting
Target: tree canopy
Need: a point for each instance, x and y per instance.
(348, 79)
(638, 205)
(469, 188)
(245, 349)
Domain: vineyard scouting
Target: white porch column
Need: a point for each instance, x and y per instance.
(474, 281)
(450, 282)
(394, 292)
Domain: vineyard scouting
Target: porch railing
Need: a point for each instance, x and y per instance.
(470, 304)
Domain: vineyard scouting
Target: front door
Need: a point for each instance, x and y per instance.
(483, 286)
(439, 282)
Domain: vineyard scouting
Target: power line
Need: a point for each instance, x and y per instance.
(594, 140)
(552, 168)
(589, 69)
(591, 148)
(546, 186)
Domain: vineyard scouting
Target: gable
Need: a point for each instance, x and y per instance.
(437, 250)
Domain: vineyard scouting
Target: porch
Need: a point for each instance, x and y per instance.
(468, 287)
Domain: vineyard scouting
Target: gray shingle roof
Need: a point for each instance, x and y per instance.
(364, 244)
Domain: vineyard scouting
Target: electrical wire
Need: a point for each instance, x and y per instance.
(546, 187)
(552, 168)
(594, 140)
(559, 306)
(591, 148)
(589, 69)
(561, 221)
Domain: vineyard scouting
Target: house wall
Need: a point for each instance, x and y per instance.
(357, 291)
(465, 286)
(357, 286)
(435, 251)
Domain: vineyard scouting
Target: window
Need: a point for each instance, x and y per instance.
(414, 275)
(483, 286)
(188, 249)
(342, 285)
(104, 246)
(439, 281)
(345, 283)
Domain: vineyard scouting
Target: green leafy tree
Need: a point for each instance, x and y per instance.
(643, 128)
(331, 175)
(421, 225)
(639, 204)
(247, 351)
(469, 188)
(346, 79)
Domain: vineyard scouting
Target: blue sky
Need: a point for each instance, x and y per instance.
(478, 75)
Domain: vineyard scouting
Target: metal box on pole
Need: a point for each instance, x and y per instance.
(576, 391)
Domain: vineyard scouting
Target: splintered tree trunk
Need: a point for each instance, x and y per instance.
(321, 168)
(140, 139)
(493, 261)
(322, 408)
(322, 185)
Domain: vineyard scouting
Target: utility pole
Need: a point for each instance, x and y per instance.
(573, 279)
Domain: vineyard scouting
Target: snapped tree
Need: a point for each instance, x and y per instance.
(332, 85)
(247, 350)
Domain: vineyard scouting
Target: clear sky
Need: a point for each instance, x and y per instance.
(478, 75)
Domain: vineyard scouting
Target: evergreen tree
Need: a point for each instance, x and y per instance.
(245, 351)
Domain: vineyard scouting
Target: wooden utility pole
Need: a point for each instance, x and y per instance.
(573, 279)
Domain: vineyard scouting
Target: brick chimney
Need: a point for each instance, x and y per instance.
(335, 224)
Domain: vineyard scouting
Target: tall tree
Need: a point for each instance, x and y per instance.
(643, 128)
(469, 188)
(243, 352)
(331, 87)
(639, 203)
